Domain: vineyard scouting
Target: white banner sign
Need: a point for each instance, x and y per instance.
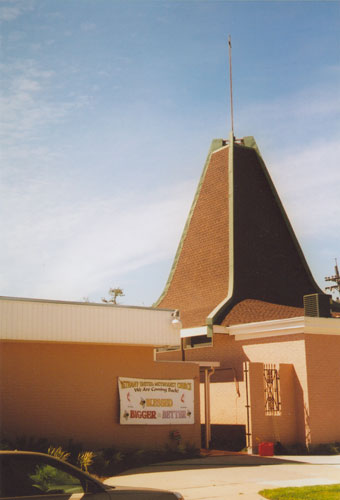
(156, 402)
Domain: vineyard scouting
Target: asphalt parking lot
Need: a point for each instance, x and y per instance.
(233, 476)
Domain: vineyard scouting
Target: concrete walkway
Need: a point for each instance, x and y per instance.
(233, 476)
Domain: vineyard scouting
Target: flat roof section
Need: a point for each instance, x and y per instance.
(58, 321)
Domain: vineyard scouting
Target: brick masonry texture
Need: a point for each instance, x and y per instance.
(250, 310)
(270, 276)
(267, 262)
(200, 281)
(323, 375)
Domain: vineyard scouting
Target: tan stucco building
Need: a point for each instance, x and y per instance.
(59, 368)
(257, 331)
(278, 381)
(247, 300)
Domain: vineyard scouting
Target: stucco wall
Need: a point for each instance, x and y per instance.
(62, 391)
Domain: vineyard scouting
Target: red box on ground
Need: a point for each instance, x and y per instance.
(266, 449)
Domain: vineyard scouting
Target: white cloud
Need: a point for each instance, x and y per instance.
(9, 13)
(308, 182)
(14, 9)
(64, 244)
(65, 250)
(28, 106)
(308, 115)
(299, 140)
(88, 26)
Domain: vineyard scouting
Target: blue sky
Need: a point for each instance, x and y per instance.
(108, 109)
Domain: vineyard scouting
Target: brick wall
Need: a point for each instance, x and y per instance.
(200, 280)
(323, 377)
(286, 426)
(227, 407)
(310, 379)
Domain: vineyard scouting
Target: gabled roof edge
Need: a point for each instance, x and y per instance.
(215, 145)
(230, 300)
(250, 142)
(225, 303)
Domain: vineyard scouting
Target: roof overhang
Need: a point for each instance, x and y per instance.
(202, 330)
(289, 326)
(261, 329)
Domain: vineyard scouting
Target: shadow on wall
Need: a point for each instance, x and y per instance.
(228, 351)
(302, 415)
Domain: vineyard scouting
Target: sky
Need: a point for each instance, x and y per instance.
(107, 112)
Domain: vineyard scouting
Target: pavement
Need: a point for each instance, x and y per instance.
(224, 476)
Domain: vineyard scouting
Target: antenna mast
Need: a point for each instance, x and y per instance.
(231, 87)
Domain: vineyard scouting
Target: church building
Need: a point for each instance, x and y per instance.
(248, 301)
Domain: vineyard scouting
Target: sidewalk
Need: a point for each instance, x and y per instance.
(222, 476)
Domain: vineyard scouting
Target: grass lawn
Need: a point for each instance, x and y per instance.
(326, 492)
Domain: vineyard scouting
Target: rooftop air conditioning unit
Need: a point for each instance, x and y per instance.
(317, 305)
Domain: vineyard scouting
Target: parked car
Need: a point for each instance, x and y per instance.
(27, 474)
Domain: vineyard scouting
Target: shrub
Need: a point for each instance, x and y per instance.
(108, 462)
(85, 459)
(301, 449)
(293, 449)
(104, 462)
(30, 443)
(325, 449)
(58, 453)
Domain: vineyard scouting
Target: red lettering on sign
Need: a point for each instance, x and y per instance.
(142, 414)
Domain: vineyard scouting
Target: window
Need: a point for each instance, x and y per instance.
(24, 476)
(272, 395)
(199, 340)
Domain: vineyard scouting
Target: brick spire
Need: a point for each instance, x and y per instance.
(238, 247)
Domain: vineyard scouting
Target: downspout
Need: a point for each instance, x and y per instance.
(207, 376)
(182, 349)
(237, 385)
(248, 428)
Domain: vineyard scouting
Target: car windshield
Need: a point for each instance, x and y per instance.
(30, 475)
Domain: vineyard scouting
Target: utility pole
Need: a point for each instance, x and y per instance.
(335, 279)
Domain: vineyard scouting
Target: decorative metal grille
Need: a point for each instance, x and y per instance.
(272, 390)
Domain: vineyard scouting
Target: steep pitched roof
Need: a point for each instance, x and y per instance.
(199, 278)
(251, 310)
(237, 246)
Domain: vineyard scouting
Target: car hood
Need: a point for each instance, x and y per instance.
(142, 493)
